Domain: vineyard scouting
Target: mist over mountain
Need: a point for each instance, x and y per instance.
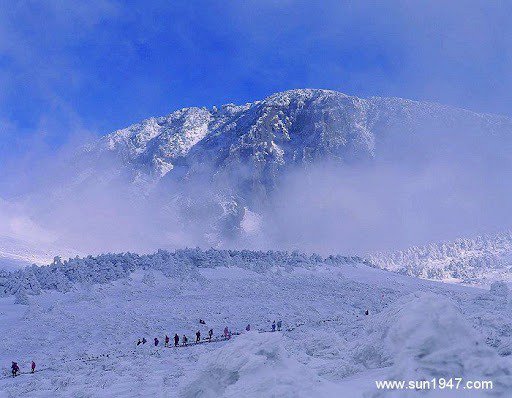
(314, 170)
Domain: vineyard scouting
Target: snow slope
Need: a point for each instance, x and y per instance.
(16, 253)
(83, 340)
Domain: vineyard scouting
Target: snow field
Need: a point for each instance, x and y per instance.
(415, 329)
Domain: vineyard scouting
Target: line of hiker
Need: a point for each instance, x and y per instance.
(227, 334)
(184, 340)
(275, 326)
(15, 368)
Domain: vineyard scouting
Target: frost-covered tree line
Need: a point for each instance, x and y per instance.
(62, 275)
(466, 259)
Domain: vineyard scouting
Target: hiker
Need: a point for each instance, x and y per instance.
(198, 336)
(202, 322)
(166, 344)
(139, 342)
(226, 332)
(184, 339)
(33, 367)
(15, 369)
(248, 328)
(279, 324)
(156, 341)
(367, 312)
(176, 340)
(144, 340)
(274, 326)
(210, 334)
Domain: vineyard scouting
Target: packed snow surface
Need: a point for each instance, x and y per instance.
(82, 335)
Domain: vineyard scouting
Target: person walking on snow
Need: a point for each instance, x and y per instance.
(144, 340)
(33, 366)
(279, 324)
(210, 334)
(226, 332)
(202, 322)
(274, 326)
(139, 342)
(176, 340)
(166, 344)
(156, 341)
(248, 328)
(184, 339)
(198, 336)
(15, 369)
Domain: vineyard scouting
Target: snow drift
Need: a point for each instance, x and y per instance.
(253, 366)
(425, 336)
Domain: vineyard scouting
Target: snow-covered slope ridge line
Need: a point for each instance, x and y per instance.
(286, 128)
(470, 260)
(185, 263)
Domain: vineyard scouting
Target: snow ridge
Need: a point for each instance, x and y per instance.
(181, 264)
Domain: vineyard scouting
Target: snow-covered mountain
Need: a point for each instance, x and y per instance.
(221, 165)
(257, 141)
(262, 137)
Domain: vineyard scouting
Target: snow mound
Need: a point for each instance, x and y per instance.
(426, 336)
(255, 365)
(499, 289)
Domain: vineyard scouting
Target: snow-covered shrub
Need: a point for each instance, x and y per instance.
(21, 297)
(464, 259)
(148, 279)
(499, 289)
(180, 264)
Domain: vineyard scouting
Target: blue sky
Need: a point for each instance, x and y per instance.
(70, 68)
